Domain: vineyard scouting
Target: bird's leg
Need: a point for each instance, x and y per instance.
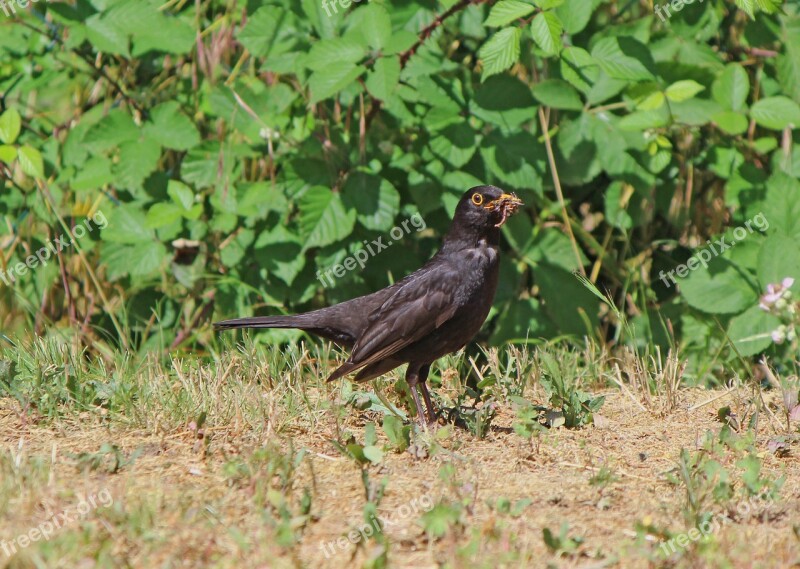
(426, 395)
(412, 379)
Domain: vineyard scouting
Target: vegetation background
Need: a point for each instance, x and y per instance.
(239, 149)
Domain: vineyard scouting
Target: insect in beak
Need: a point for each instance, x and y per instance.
(506, 204)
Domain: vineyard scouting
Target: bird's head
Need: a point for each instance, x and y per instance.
(485, 207)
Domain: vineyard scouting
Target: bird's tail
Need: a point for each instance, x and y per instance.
(296, 321)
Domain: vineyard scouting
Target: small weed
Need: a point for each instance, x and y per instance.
(561, 544)
(109, 459)
(564, 395)
(442, 518)
(507, 507)
(399, 435)
(603, 478)
(708, 482)
(364, 454)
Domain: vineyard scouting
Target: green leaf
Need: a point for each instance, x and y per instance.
(624, 58)
(767, 6)
(263, 30)
(683, 90)
(327, 82)
(234, 252)
(382, 81)
(778, 258)
(517, 160)
(335, 50)
(323, 218)
(570, 317)
(558, 94)
(162, 215)
(373, 453)
(720, 288)
(696, 112)
(111, 131)
(137, 161)
(732, 87)
(546, 30)
(127, 224)
(170, 128)
(616, 214)
(10, 126)
(504, 101)
(731, 122)
(455, 144)
(506, 11)
(398, 434)
(552, 247)
(143, 23)
(376, 25)
(170, 35)
(181, 194)
(280, 252)
(575, 15)
(326, 19)
(524, 320)
(751, 331)
(781, 209)
(374, 199)
(652, 102)
(500, 52)
(106, 36)
(776, 113)
(644, 120)
(140, 261)
(788, 67)
(30, 160)
(94, 174)
(579, 68)
(8, 153)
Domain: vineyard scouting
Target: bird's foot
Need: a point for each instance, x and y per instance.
(428, 422)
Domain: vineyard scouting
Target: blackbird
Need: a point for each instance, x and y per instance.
(432, 312)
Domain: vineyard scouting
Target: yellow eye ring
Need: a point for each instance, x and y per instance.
(477, 199)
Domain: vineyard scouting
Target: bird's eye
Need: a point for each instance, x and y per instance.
(477, 199)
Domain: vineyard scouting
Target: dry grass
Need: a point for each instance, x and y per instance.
(230, 493)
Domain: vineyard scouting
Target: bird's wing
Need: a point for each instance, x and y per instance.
(417, 308)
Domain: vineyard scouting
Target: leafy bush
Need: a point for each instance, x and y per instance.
(240, 151)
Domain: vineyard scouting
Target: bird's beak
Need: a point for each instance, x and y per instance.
(506, 205)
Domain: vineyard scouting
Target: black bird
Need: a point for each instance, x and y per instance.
(432, 312)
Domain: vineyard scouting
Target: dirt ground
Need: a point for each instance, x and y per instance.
(174, 504)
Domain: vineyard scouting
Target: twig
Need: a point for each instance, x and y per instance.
(595, 469)
(625, 389)
(100, 70)
(106, 304)
(557, 181)
(707, 401)
(186, 332)
(423, 36)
